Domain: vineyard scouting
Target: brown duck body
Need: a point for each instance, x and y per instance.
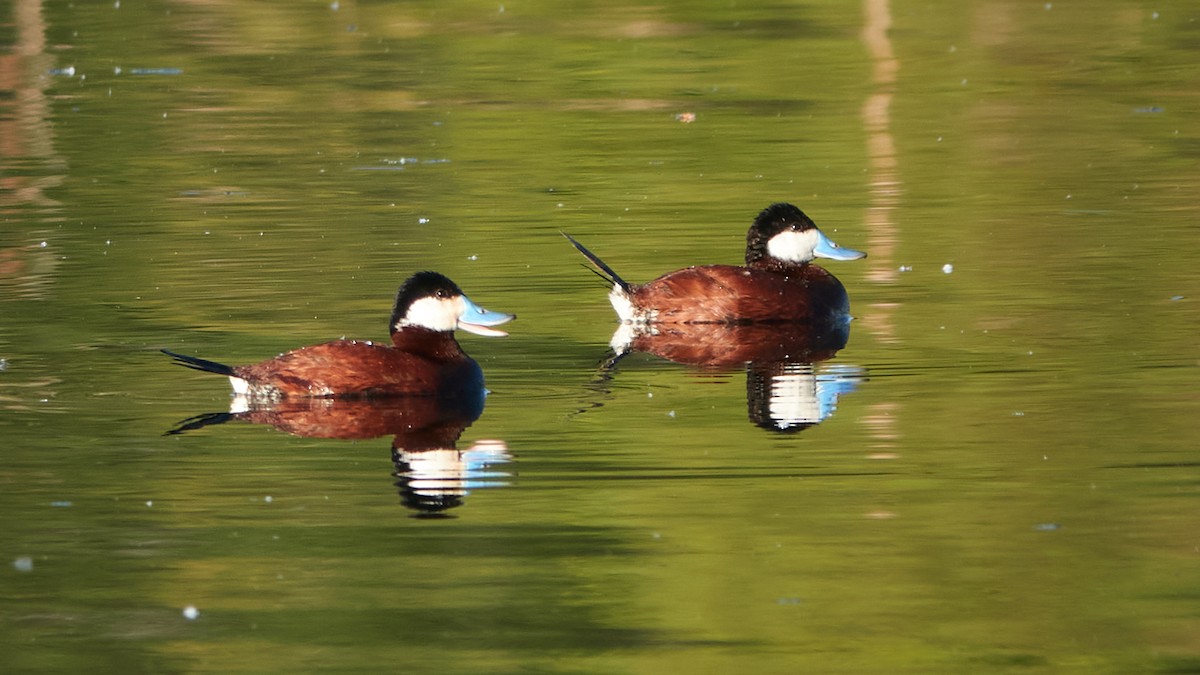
(778, 283)
(759, 293)
(423, 359)
(419, 362)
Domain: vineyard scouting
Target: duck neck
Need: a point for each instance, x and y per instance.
(756, 248)
(773, 264)
(433, 344)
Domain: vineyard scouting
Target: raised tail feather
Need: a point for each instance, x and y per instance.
(199, 364)
(608, 272)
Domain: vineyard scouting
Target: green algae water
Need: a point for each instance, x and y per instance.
(995, 471)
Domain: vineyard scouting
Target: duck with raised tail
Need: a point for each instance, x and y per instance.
(423, 358)
(779, 282)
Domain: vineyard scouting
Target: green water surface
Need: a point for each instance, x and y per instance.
(1009, 481)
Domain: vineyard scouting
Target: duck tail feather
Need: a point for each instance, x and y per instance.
(199, 364)
(608, 272)
(199, 422)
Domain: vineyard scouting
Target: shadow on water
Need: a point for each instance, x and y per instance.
(432, 474)
(788, 388)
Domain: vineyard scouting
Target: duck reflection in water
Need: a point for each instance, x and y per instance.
(422, 389)
(788, 388)
(777, 316)
(431, 473)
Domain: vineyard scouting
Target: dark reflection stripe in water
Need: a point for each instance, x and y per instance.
(593, 475)
(1154, 465)
(460, 538)
(528, 624)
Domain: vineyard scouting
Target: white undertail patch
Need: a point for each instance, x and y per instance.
(622, 338)
(239, 404)
(626, 312)
(240, 386)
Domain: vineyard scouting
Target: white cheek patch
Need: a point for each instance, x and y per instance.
(438, 314)
(794, 246)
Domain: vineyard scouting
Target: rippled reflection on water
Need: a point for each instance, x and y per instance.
(432, 474)
(785, 391)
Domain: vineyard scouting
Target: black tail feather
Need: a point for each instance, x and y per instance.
(199, 364)
(609, 274)
(199, 422)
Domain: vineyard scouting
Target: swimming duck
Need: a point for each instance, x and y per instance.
(423, 359)
(778, 283)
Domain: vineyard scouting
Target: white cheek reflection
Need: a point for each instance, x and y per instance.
(799, 396)
(447, 471)
(794, 397)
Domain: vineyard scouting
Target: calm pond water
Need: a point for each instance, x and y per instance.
(997, 472)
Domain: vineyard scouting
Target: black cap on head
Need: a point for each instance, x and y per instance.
(421, 285)
(771, 221)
